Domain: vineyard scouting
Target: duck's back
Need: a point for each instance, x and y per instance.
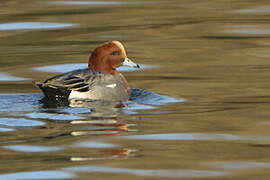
(85, 84)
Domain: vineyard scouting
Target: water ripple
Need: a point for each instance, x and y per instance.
(37, 175)
(19, 122)
(196, 137)
(248, 29)
(6, 129)
(95, 144)
(240, 165)
(7, 77)
(91, 2)
(32, 26)
(263, 9)
(150, 172)
(36, 115)
(30, 148)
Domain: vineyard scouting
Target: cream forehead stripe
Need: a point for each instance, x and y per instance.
(120, 45)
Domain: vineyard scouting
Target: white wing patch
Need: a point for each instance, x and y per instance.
(111, 85)
(78, 95)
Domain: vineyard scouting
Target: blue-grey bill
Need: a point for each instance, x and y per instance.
(128, 62)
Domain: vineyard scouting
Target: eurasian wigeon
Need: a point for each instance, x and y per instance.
(100, 81)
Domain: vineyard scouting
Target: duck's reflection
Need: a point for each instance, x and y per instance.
(104, 119)
(99, 108)
(108, 154)
(112, 129)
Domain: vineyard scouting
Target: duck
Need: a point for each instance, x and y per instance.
(100, 81)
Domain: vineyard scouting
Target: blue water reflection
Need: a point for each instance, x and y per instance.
(13, 103)
(263, 9)
(31, 148)
(196, 137)
(37, 175)
(20, 122)
(30, 106)
(95, 144)
(7, 77)
(32, 26)
(6, 129)
(150, 98)
(52, 116)
(74, 110)
(150, 172)
(247, 29)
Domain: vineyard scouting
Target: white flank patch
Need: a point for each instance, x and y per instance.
(111, 85)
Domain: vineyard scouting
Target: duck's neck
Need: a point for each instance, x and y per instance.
(105, 69)
(113, 72)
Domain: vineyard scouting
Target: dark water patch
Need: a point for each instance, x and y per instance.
(149, 172)
(32, 26)
(260, 145)
(37, 175)
(31, 148)
(247, 100)
(263, 67)
(7, 77)
(62, 68)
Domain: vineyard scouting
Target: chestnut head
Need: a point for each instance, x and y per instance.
(109, 56)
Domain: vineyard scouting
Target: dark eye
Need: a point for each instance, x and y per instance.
(115, 53)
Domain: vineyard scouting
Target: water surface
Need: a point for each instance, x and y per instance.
(199, 107)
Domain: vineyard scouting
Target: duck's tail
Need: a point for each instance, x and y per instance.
(52, 92)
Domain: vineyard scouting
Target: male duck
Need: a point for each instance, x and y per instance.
(100, 81)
